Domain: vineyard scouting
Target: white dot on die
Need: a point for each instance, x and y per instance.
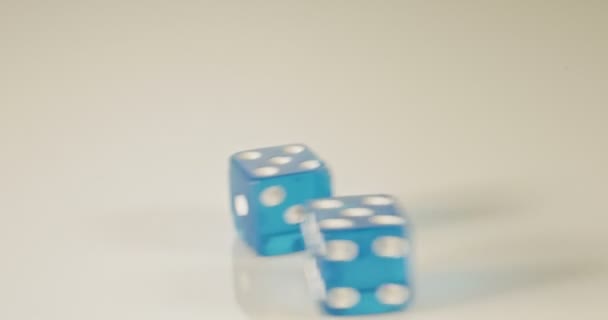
(327, 204)
(335, 223)
(390, 247)
(378, 201)
(266, 171)
(310, 164)
(280, 160)
(357, 212)
(392, 294)
(241, 206)
(250, 155)
(341, 250)
(294, 149)
(272, 196)
(294, 214)
(342, 298)
(386, 219)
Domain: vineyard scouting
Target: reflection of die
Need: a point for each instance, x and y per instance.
(361, 254)
(268, 186)
(269, 288)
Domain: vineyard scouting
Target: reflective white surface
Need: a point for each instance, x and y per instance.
(116, 120)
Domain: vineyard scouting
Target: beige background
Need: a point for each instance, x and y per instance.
(488, 119)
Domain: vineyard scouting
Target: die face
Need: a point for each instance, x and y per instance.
(277, 161)
(278, 201)
(360, 244)
(339, 301)
(273, 202)
(364, 258)
(357, 212)
(240, 199)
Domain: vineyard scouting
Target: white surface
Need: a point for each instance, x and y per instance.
(117, 117)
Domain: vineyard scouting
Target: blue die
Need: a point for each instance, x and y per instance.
(267, 188)
(360, 250)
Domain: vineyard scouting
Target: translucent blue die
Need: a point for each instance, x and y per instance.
(267, 188)
(360, 254)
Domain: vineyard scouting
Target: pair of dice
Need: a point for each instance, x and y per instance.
(359, 245)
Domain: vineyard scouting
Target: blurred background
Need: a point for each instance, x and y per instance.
(487, 119)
